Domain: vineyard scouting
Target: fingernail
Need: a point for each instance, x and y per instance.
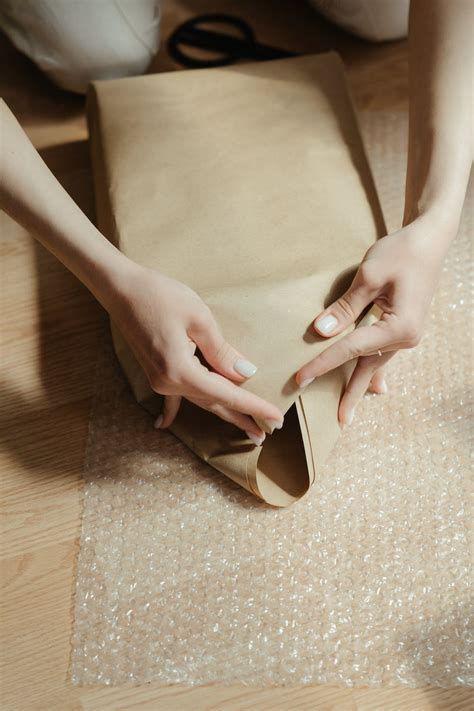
(349, 417)
(383, 386)
(326, 324)
(255, 438)
(158, 422)
(273, 425)
(306, 382)
(245, 368)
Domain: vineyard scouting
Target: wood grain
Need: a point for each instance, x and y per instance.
(50, 331)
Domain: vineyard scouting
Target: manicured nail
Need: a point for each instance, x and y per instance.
(255, 438)
(245, 368)
(383, 386)
(349, 417)
(273, 425)
(306, 382)
(158, 422)
(326, 324)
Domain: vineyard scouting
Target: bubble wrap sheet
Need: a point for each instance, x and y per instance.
(185, 577)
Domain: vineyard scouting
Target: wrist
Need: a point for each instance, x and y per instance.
(440, 196)
(430, 235)
(438, 221)
(107, 273)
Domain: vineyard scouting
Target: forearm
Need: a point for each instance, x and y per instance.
(440, 151)
(33, 197)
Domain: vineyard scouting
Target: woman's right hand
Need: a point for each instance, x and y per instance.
(164, 322)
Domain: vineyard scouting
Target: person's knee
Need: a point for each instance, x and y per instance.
(373, 20)
(74, 71)
(75, 43)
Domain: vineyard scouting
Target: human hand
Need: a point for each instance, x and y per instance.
(399, 274)
(164, 321)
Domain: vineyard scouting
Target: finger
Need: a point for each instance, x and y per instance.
(225, 359)
(346, 310)
(243, 422)
(169, 412)
(200, 383)
(378, 384)
(362, 341)
(188, 377)
(358, 384)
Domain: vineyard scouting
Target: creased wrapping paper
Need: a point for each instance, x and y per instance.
(250, 184)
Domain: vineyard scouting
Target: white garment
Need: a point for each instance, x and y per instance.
(375, 20)
(77, 41)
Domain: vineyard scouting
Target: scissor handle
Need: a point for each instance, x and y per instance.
(230, 47)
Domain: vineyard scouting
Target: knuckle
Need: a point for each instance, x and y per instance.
(202, 318)
(413, 341)
(173, 375)
(168, 376)
(411, 335)
(230, 400)
(157, 384)
(367, 276)
(223, 351)
(207, 312)
(392, 327)
(345, 306)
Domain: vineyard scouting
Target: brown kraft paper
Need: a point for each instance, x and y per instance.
(249, 184)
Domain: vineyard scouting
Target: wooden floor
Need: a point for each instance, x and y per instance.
(50, 331)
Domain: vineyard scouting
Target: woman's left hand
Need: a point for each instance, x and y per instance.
(399, 273)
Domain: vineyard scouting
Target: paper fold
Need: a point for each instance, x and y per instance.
(250, 184)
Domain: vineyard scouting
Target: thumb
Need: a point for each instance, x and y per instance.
(225, 359)
(346, 310)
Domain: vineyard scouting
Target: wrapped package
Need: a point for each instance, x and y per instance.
(249, 184)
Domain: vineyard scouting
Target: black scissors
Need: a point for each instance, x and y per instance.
(230, 48)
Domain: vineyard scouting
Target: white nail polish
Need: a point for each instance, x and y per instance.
(349, 417)
(383, 386)
(327, 324)
(255, 439)
(306, 382)
(245, 368)
(158, 422)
